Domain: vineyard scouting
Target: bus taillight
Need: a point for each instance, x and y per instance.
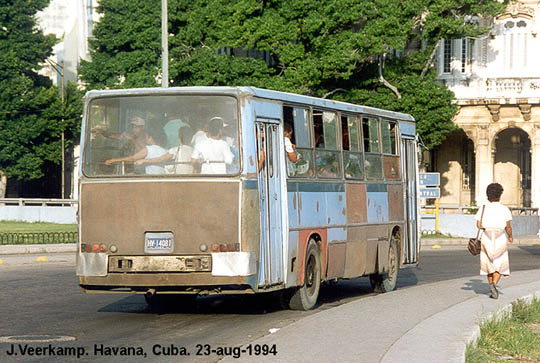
(85, 247)
(226, 247)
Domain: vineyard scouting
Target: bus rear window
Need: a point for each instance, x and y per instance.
(159, 135)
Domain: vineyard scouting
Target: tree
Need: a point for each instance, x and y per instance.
(126, 47)
(32, 115)
(375, 52)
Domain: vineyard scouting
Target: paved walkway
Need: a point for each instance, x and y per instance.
(427, 323)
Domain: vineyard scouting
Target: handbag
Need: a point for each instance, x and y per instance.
(474, 246)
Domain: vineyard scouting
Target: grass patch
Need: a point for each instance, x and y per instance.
(37, 227)
(512, 336)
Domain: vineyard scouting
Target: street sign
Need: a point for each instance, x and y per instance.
(430, 179)
(430, 192)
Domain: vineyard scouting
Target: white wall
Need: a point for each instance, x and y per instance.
(62, 215)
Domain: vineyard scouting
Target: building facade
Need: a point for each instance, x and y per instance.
(72, 22)
(496, 82)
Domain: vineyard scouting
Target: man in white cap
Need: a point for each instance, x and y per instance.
(137, 137)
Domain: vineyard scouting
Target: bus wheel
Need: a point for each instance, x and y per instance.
(305, 297)
(387, 281)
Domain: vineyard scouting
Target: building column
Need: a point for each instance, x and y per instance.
(484, 164)
(535, 167)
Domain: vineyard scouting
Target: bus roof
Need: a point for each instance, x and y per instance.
(256, 92)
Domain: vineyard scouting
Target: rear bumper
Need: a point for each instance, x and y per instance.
(99, 271)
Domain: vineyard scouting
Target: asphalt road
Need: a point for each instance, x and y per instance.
(42, 301)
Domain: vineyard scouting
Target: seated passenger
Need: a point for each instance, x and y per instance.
(150, 151)
(212, 153)
(178, 158)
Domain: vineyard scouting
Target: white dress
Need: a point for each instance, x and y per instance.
(214, 156)
(182, 160)
(494, 252)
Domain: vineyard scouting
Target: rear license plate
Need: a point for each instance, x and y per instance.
(162, 242)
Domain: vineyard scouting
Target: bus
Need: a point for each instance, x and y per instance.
(233, 214)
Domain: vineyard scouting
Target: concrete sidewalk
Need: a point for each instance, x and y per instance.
(531, 240)
(38, 248)
(427, 323)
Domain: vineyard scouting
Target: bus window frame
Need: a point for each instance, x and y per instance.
(87, 135)
(379, 177)
(339, 147)
(302, 148)
(339, 143)
(360, 140)
(396, 140)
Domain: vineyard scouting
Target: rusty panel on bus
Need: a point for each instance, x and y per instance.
(392, 167)
(395, 199)
(195, 212)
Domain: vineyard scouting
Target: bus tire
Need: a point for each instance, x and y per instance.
(387, 281)
(305, 297)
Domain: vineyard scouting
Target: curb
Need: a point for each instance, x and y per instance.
(505, 309)
(464, 241)
(30, 249)
(453, 329)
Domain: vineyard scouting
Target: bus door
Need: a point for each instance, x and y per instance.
(271, 253)
(411, 245)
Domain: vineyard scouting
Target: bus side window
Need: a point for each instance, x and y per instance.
(352, 151)
(391, 160)
(327, 161)
(298, 117)
(388, 130)
(372, 153)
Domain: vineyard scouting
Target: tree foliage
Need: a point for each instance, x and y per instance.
(32, 114)
(321, 48)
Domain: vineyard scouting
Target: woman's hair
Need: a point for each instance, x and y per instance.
(287, 128)
(185, 133)
(494, 192)
(215, 125)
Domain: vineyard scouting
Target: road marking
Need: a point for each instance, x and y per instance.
(42, 258)
(36, 339)
(436, 247)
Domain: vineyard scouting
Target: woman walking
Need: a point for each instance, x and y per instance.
(494, 219)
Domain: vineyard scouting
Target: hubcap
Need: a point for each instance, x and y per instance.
(310, 275)
(392, 263)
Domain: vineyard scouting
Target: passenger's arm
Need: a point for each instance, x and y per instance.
(260, 162)
(141, 154)
(157, 160)
(292, 157)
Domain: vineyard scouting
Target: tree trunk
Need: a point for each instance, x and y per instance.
(430, 60)
(384, 81)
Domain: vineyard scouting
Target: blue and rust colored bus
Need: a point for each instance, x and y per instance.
(196, 191)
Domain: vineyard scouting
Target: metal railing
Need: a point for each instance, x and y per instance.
(19, 238)
(38, 202)
(458, 209)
